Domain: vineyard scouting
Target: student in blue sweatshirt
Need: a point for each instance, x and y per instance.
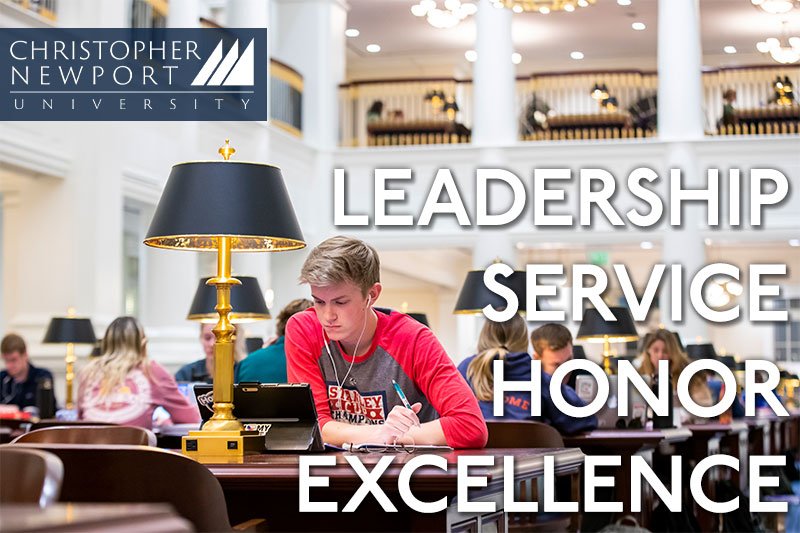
(509, 341)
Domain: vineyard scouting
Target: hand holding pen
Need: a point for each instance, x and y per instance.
(400, 419)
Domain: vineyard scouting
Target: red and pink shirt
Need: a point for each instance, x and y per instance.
(133, 402)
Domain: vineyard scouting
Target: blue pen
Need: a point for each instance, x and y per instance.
(401, 394)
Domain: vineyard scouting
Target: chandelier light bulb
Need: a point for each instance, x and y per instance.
(544, 10)
(516, 58)
(569, 8)
(471, 56)
(418, 10)
(762, 47)
(517, 9)
(452, 5)
(774, 7)
(469, 8)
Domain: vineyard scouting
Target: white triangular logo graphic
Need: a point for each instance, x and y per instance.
(233, 70)
(243, 73)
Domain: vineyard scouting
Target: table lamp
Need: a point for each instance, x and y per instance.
(247, 302)
(474, 295)
(595, 328)
(70, 330)
(701, 351)
(422, 318)
(223, 207)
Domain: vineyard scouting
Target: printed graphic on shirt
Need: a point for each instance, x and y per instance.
(126, 403)
(517, 401)
(350, 406)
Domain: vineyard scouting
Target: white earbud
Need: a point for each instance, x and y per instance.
(369, 300)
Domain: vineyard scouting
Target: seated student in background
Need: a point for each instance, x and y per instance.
(20, 378)
(350, 352)
(661, 344)
(202, 370)
(268, 365)
(123, 386)
(509, 341)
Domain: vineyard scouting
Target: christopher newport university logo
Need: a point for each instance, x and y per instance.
(166, 74)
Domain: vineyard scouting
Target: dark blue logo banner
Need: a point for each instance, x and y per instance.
(126, 74)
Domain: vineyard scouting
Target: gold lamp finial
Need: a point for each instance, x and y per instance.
(71, 312)
(227, 151)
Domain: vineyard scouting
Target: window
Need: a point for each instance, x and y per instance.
(131, 259)
(149, 13)
(787, 334)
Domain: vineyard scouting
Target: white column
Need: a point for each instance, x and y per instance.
(316, 48)
(680, 91)
(93, 14)
(684, 246)
(247, 14)
(183, 14)
(680, 119)
(495, 121)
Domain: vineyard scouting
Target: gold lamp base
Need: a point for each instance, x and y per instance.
(206, 446)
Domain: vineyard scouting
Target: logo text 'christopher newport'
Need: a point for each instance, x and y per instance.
(166, 74)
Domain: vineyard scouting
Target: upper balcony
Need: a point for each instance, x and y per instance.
(552, 106)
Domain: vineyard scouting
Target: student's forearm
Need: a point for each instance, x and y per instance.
(338, 433)
(427, 433)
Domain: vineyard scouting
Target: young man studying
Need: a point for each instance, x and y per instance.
(350, 352)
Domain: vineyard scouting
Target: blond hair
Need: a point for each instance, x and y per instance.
(342, 259)
(497, 340)
(122, 350)
(678, 360)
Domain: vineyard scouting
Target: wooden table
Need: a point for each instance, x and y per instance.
(100, 517)
(267, 485)
(707, 440)
(626, 443)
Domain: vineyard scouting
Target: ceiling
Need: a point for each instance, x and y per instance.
(410, 47)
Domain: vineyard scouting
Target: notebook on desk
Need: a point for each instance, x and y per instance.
(284, 413)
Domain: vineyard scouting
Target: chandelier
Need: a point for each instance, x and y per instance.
(454, 12)
(785, 50)
(542, 6)
(775, 7)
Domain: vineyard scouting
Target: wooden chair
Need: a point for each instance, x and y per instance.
(29, 476)
(522, 434)
(137, 474)
(90, 435)
(52, 422)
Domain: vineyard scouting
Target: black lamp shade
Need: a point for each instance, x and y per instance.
(247, 301)
(65, 330)
(474, 295)
(728, 361)
(420, 317)
(595, 327)
(209, 199)
(701, 351)
(578, 352)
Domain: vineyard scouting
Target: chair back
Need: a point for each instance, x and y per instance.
(90, 435)
(51, 422)
(29, 476)
(522, 434)
(138, 474)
